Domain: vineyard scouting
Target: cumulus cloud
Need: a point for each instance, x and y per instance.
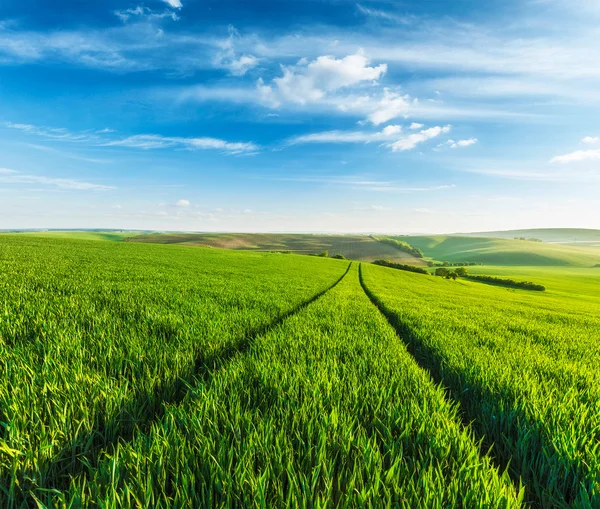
(577, 156)
(391, 130)
(183, 203)
(464, 143)
(458, 144)
(415, 126)
(176, 4)
(8, 176)
(412, 140)
(309, 82)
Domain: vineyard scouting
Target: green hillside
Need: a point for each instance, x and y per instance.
(76, 234)
(495, 251)
(574, 236)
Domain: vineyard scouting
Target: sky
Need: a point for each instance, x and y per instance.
(390, 116)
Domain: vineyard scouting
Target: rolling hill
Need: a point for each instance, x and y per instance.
(575, 236)
(354, 247)
(496, 251)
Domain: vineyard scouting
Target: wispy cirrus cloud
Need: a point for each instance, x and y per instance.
(105, 138)
(68, 155)
(144, 13)
(385, 15)
(390, 132)
(577, 156)
(55, 133)
(9, 176)
(360, 182)
(228, 58)
(153, 141)
(391, 136)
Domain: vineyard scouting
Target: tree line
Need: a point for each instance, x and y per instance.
(402, 246)
(401, 266)
(510, 283)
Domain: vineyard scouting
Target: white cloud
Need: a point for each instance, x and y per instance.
(176, 4)
(182, 203)
(411, 141)
(464, 143)
(390, 106)
(577, 156)
(8, 176)
(228, 58)
(391, 130)
(309, 82)
(240, 66)
(591, 140)
(458, 144)
(415, 125)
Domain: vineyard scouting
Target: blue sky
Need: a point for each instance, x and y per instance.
(313, 115)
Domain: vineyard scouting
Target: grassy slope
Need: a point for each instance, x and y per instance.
(523, 366)
(354, 247)
(494, 251)
(558, 235)
(78, 235)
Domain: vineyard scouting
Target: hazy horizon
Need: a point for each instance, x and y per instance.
(341, 117)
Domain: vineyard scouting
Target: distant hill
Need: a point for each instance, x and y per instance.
(503, 251)
(575, 236)
(353, 247)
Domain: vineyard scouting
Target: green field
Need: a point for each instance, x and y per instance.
(116, 236)
(146, 375)
(574, 236)
(496, 251)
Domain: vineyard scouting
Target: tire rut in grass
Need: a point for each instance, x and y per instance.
(121, 426)
(421, 357)
(572, 486)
